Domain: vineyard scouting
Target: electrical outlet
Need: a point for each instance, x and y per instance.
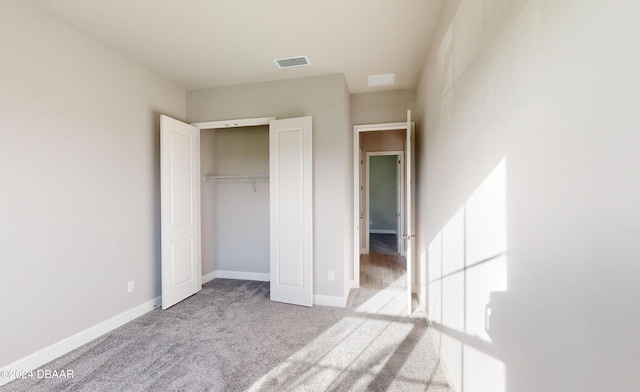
(130, 287)
(331, 275)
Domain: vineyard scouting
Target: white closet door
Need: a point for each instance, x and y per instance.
(409, 221)
(180, 210)
(291, 210)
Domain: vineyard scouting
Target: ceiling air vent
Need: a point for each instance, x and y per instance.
(382, 80)
(292, 62)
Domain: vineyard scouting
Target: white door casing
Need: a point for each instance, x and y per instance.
(180, 210)
(291, 210)
(358, 224)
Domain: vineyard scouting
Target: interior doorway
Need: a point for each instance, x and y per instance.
(371, 139)
(402, 132)
(383, 202)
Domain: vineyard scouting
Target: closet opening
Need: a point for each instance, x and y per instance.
(259, 232)
(235, 202)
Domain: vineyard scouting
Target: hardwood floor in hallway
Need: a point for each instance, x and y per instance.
(380, 271)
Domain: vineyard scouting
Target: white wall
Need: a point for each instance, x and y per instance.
(529, 159)
(326, 99)
(79, 175)
(235, 218)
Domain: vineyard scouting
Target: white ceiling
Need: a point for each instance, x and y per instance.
(209, 43)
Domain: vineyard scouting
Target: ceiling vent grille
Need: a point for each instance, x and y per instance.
(292, 62)
(382, 80)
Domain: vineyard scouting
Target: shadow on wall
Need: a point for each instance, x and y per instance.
(467, 272)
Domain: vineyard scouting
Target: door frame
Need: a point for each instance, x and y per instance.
(399, 196)
(223, 124)
(303, 123)
(234, 123)
(357, 130)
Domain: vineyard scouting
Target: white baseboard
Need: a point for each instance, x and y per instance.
(382, 231)
(347, 290)
(328, 300)
(48, 354)
(262, 277)
(208, 277)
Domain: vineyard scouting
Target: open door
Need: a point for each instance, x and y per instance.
(400, 204)
(180, 210)
(291, 211)
(362, 243)
(409, 221)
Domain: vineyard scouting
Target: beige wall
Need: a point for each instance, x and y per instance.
(383, 140)
(79, 170)
(233, 215)
(382, 107)
(325, 98)
(529, 142)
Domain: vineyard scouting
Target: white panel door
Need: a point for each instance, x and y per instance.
(180, 210)
(409, 220)
(291, 206)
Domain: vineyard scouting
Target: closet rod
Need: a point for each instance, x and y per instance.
(240, 178)
(251, 179)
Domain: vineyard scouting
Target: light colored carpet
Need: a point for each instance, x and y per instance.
(231, 337)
